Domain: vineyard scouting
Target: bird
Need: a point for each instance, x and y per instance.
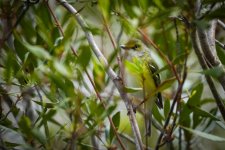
(143, 68)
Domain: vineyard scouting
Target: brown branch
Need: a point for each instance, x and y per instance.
(176, 98)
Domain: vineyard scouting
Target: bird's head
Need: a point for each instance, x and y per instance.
(132, 44)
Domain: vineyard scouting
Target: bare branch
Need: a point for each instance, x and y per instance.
(207, 42)
(113, 76)
(220, 44)
(221, 24)
(203, 63)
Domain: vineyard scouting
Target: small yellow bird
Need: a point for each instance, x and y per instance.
(143, 68)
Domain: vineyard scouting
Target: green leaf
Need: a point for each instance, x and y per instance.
(38, 136)
(211, 1)
(195, 95)
(85, 56)
(215, 72)
(62, 69)
(70, 28)
(221, 54)
(202, 113)
(218, 13)
(204, 135)
(157, 114)
(99, 75)
(132, 89)
(44, 104)
(166, 108)
(159, 4)
(11, 145)
(104, 6)
(25, 125)
(165, 84)
(116, 122)
(38, 51)
(133, 67)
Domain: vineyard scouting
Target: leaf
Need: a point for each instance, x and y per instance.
(221, 54)
(38, 136)
(62, 69)
(38, 51)
(99, 76)
(159, 4)
(211, 1)
(221, 124)
(104, 6)
(195, 95)
(204, 135)
(25, 125)
(218, 13)
(165, 84)
(133, 67)
(132, 89)
(215, 72)
(44, 104)
(202, 113)
(166, 108)
(157, 114)
(85, 56)
(116, 122)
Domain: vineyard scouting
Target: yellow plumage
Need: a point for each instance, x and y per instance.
(143, 69)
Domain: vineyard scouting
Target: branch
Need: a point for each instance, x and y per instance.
(88, 75)
(112, 75)
(203, 63)
(220, 44)
(221, 24)
(207, 42)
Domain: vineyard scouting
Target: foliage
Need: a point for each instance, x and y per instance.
(55, 94)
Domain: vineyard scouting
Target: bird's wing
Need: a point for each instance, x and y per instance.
(156, 77)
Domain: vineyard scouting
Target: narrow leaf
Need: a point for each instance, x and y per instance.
(205, 135)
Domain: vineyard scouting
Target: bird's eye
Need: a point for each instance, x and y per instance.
(136, 46)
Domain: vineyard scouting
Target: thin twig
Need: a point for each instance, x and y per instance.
(90, 79)
(177, 96)
(221, 24)
(220, 44)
